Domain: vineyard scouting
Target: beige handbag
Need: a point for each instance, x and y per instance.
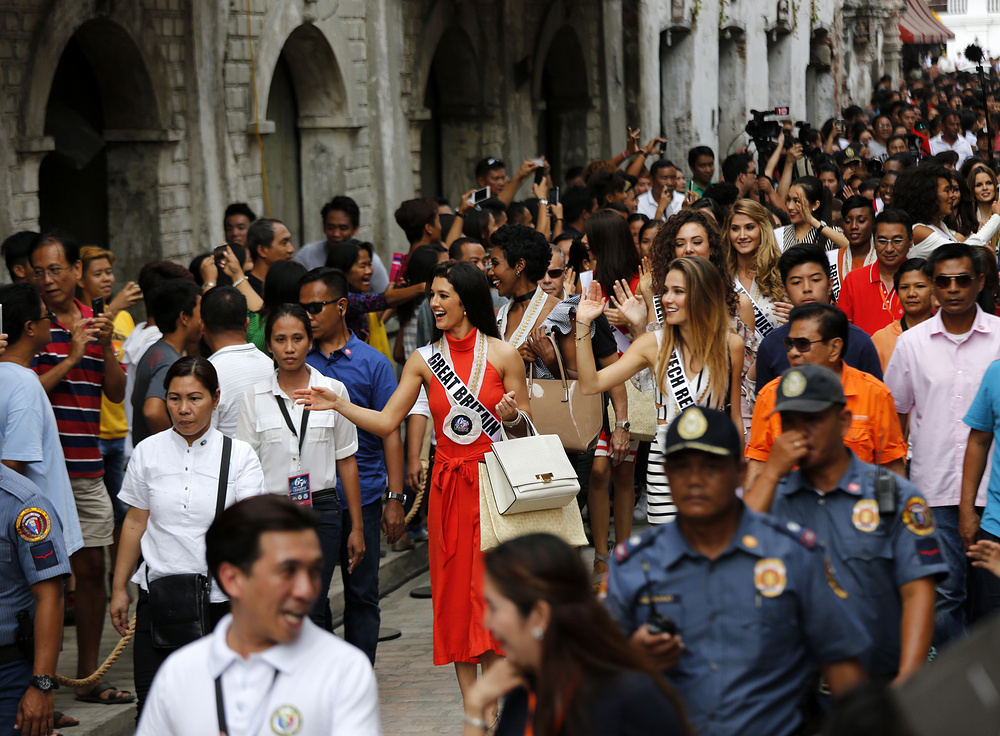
(559, 407)
(641, 413)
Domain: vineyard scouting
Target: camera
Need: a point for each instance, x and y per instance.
(763, 131)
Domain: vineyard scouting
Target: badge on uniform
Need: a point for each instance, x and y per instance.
(299, 490)
(770, 576)
(286, 720)
(917, 517)
(865, 516)
(831, 579)
(33, 525)
(44, 555)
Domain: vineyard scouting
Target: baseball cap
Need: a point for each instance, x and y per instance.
(707, 430)
(849, 155)
(809, 388)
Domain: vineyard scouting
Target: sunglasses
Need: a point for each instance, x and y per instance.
(555, 273)
(962, 281)
(316, 307)
(801, 344)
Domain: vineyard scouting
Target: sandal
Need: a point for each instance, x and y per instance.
(598, 576)
(94, 696)
(61, 720)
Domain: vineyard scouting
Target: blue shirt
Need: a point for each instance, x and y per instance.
(31, 548)
(755, 621)
(873, 557)
(370, 381)
(772, 359)
(984, 415)
(31, 435)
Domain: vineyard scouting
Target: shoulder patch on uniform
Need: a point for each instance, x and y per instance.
(805, 537)
(831, 579)
(624, 550)
(44, 555)
(917, 517)
(929, 550)
(33, 524)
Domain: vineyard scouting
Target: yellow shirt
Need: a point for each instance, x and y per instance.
(113, 424)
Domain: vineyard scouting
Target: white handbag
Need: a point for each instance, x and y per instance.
(530, 473)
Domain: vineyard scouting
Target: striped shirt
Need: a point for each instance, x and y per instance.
(76, 400)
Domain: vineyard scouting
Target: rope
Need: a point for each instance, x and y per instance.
(103, 669)
(256, 115)
(419, 497)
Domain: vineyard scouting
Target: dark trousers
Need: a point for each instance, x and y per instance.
(146, 659)
(14, 678)
(362, 615)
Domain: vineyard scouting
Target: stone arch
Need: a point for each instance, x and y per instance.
(557, 28)
(445, 24)
(563, 100)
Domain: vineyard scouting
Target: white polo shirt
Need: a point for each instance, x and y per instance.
(239, 367)
(179, 486)
(646, 205)
(324, 687)
(329, 437)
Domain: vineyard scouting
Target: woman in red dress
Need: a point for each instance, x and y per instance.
(466, 342)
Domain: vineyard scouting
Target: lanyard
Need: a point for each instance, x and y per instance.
(301, 434)
(220, 707)
(560, 717)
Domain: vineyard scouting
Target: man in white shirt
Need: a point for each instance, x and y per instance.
(239, 364)
(267, 669)
(341, 222)
(951, 139)
(664, 175)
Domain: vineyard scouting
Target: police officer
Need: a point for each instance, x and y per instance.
(875, 525)
(737, 608)
(33, 562)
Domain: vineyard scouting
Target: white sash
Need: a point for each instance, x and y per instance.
(531, 313)
(680, 387)
(468, 417)
(831, 256)
(760, 321)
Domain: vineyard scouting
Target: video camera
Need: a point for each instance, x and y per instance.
(763, 131)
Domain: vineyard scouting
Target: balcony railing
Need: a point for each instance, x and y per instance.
(958, 7)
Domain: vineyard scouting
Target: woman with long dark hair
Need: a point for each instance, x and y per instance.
(466, 341)
(982, 183)
(418, 271)
(924, 193)
(569, 669)
(810, 207)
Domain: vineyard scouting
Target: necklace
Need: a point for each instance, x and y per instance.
(523, 298)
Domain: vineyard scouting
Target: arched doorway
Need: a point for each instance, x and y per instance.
(282, 153)
(562, 119)
(452, 100)
(101, 182)
(733, 111)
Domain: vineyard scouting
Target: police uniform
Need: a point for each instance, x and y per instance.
(755, 621)
(875, 548)
(31, 550)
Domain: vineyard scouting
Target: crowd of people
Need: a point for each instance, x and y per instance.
(795, 353)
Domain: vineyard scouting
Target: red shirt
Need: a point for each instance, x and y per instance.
(863, 298)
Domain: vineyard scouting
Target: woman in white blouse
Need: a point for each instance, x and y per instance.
(303, 453)
(172, 486)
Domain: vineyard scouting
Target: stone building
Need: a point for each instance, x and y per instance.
(132, 123)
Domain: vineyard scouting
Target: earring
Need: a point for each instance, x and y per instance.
(517, 273)
(538, 633)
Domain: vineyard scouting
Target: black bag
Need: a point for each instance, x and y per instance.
(179, 604)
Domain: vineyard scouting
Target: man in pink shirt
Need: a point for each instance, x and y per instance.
(934, 375)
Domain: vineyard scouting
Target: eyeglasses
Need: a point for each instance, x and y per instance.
(801, 344)
(943, 281)
(885, 241)
(55, 271)
(316, 307)
(49, 315)
(554, 273)
(493, 161)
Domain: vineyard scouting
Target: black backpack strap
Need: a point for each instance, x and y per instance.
(227, 451)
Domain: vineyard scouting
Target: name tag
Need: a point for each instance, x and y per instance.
(299, 489)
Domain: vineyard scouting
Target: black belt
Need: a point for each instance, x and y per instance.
(325, 492)
(11, 653)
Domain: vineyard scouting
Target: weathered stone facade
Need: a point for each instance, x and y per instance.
(132, 123)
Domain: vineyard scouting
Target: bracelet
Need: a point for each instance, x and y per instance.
(582, 337)
(623, 155)
(460, 214)
(207, 285)
(558, 219)
(237, 283)
(475, 722)
(643, 154)
(515, 421)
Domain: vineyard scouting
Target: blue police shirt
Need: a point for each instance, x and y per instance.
(984, 415)
(370, 381)
(755, 621)
(772, 359)
(31, 548)
(873, 557)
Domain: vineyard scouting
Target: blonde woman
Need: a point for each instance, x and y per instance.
(752, 254)
(695, 357)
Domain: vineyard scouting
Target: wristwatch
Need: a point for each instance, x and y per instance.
(624, 425)
(45, 683)
(390, 496)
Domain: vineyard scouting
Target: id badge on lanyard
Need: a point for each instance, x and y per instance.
(299, 489)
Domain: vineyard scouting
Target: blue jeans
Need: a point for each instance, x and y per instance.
(113, 452)
(14, 678)
(362, 616)
(951, 606)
